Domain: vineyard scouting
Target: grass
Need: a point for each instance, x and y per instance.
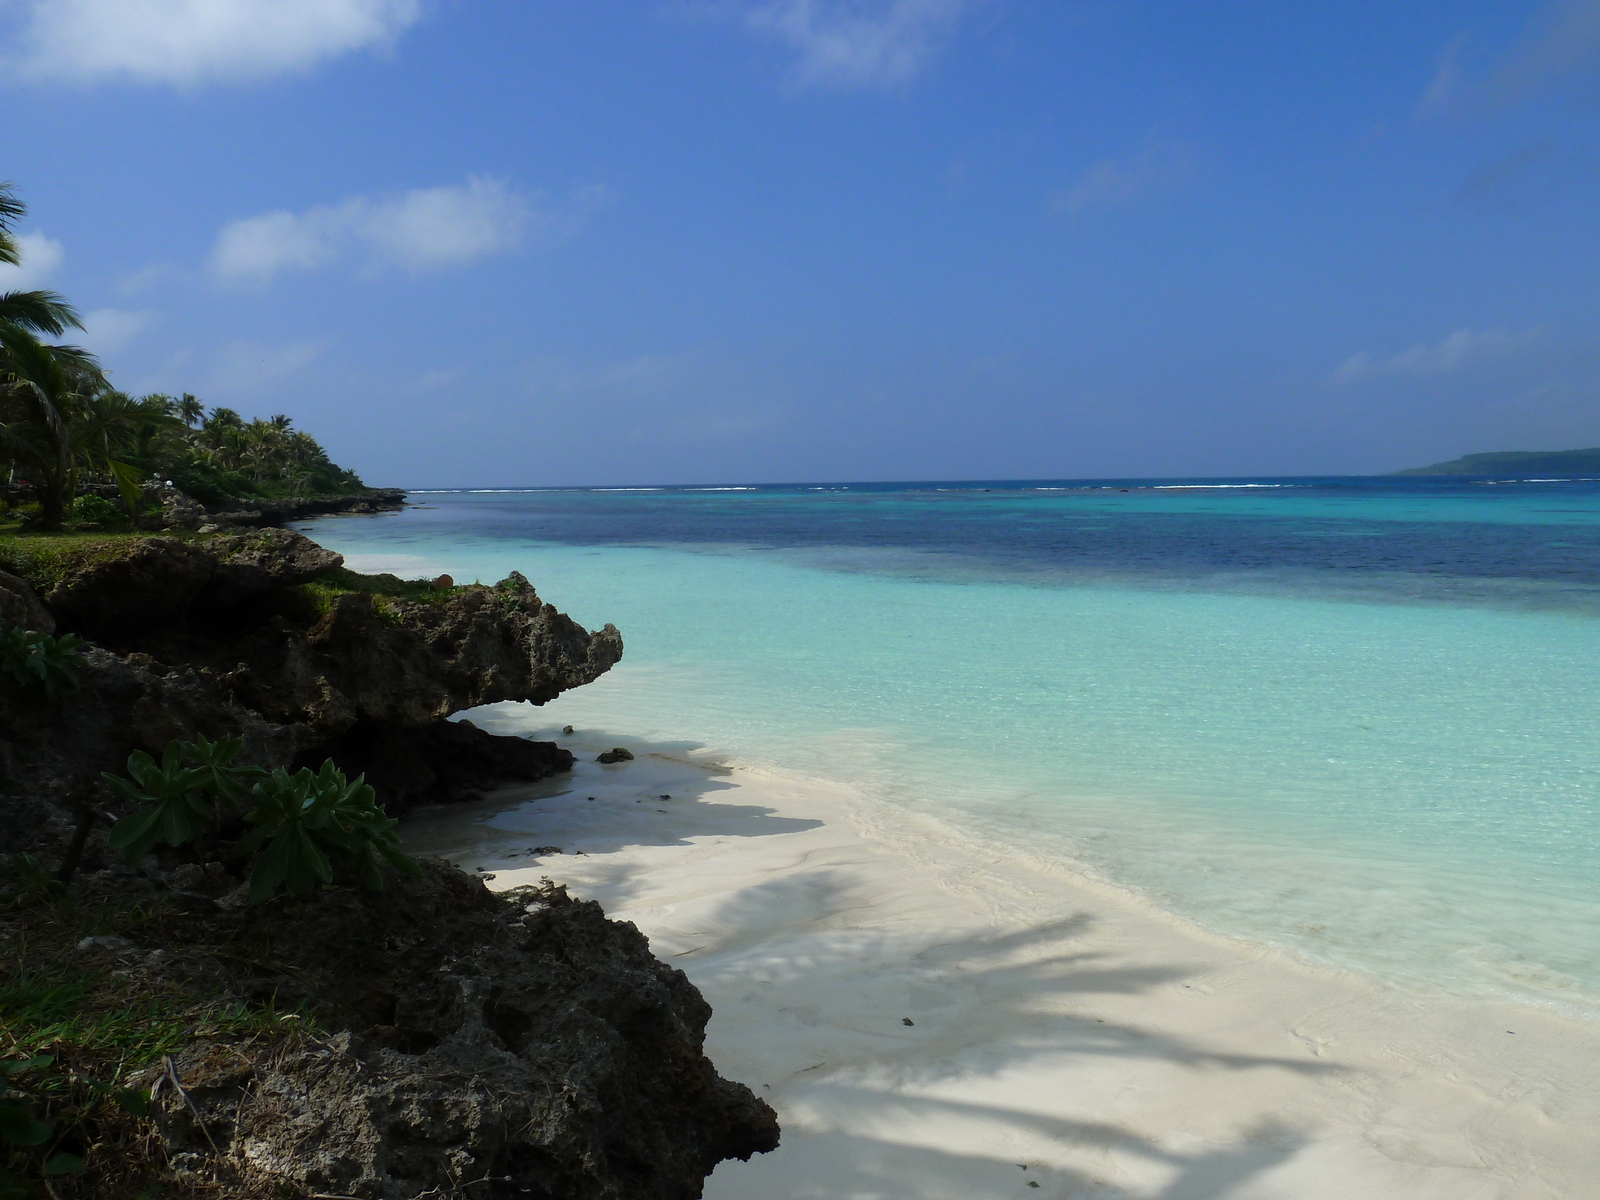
(384, 589)
(42, 559)
(90, 1024)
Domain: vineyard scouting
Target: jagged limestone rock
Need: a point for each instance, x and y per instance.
(523, 1040)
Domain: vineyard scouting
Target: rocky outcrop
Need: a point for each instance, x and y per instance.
(335, 660)
(398, 663)
(263, 634)
(183, 512)
(446, 1040)
(155, 582)
(21, 608)
(514, 1045)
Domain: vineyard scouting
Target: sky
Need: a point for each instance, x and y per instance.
(527, 243)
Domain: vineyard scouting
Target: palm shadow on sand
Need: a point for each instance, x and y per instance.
(872, 1081)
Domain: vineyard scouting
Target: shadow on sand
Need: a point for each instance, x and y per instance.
(890, 1112)
(596, 808)
(813, 991)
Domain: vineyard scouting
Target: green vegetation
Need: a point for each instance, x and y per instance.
(80, 1033)
(309, 822)
(33, 658)
(1517, 462)
(306, 825)
(62, 426)
(43, 560)
(385, 590)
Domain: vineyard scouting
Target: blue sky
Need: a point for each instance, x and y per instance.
(522, 243)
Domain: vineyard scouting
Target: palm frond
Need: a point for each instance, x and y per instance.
(44, 313)
(11, 211)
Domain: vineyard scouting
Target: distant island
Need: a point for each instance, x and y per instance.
(1517, 462)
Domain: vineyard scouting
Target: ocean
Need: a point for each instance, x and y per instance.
(1355, 718)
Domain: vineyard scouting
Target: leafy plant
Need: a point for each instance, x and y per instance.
(99, 510)
(177, 797)
(311, 820)
(23, 1131)
(30, 657)
(305, 825)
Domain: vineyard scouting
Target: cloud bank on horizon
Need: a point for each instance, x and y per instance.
(841, 238)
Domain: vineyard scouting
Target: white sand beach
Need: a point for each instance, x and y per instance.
(939, 1019)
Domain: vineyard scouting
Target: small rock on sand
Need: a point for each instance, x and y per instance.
(615, 755)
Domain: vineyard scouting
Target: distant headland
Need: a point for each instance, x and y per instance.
(1516, 462)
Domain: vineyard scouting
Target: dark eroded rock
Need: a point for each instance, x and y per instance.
(251, 563)
(524, 1041)
(141, 584)
(21, 607)
(443, 762)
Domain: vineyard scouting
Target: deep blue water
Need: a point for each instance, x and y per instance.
(1399, 538)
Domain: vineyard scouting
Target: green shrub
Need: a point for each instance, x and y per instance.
(176, 798)
(308, 826)
(98, 510)
(30, 657)
(212, 486)
(312, 821)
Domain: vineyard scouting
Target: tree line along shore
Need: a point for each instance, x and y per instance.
(76, 451)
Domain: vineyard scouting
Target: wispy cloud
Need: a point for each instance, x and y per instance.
(1503, 168)
(421, 230)
(185, 42)
(40, 256)
(1446, 83)
(1460, 349)
(854, 43)
(107, 330)
(1111, 182)
(1562, 40)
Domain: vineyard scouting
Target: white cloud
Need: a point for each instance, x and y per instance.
(40, 256)
(107, 330)
(856, 42)
(421, 230)
(1110, 182)
(262, 246)
(442, 226)
(190, 41)
(1460, 349)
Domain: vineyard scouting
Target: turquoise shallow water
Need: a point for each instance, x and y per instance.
(1357, 722)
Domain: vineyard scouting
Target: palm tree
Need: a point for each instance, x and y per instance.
(11, 211)
(42, 313)
(60, 418)
(190, 410)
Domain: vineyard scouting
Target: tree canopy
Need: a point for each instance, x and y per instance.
(63, 426)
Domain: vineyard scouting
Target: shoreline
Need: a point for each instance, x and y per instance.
(1062, 1033)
